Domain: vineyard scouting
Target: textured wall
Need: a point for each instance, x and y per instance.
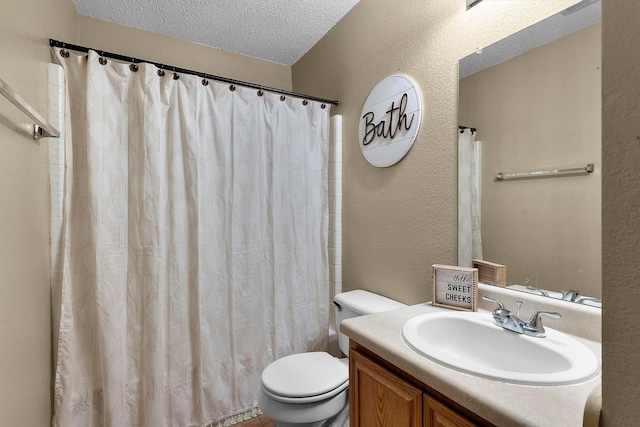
(620, 212)
(25, 343)
(398, 221)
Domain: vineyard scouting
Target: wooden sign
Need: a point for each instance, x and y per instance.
(390, 120)
(455, 287)
(491, 273)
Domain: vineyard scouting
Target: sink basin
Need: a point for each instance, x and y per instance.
(469, 342)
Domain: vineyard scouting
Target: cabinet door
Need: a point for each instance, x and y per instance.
(438, 415)
(378, 398)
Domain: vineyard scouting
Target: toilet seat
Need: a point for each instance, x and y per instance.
(305, 378)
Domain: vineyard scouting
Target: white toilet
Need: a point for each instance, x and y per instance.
(310, 389)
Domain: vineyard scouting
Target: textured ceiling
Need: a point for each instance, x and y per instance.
(280, 31)
(574, 18)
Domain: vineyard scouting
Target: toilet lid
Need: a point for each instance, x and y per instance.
(304, 375)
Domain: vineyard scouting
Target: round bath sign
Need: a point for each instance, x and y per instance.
(390, 120)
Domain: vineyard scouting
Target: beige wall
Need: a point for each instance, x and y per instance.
(398, 221)
(128, 41)
(25, 343)
(537, 111)
(621, 212)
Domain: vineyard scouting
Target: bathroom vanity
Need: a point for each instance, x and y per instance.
(393, 385)
(382, 394)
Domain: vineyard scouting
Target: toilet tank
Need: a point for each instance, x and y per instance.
(359, 303)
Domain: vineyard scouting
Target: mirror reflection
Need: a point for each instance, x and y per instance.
(534, 101)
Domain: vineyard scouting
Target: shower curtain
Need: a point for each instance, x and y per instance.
(469, 198)
(194, 248)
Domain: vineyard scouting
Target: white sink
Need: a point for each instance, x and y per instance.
(471, 343)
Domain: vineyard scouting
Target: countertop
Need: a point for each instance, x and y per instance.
(499, 403)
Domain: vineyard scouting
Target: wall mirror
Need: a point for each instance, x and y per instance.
(534, 100)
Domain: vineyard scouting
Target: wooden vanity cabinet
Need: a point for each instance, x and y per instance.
(437, 414)
(377, 397)
(381, 395)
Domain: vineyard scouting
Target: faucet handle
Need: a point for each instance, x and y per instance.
(499, 313)
(542, 292)
(534, 327)
(499, 305)
(570, 295)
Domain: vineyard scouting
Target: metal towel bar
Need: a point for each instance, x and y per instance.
(41, 128)
(545, 173)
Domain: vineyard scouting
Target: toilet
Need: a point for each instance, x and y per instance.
(310, 389)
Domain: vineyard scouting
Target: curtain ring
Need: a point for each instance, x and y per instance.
(133, 67)
(232, 88)
(260, 92)
(205, 82)
(323, 106)
(161, 73)
(64, 53)
(102, 60)
(305, 102)
(176, 76)
(282, 97)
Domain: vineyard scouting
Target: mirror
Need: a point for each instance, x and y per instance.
(534, 100)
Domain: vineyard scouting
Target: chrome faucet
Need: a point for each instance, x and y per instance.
(571, 295)
(512, 322)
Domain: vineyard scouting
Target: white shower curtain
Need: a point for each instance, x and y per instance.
(194, 245)
(469, 198)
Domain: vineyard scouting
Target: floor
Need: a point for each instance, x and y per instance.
(259, 421)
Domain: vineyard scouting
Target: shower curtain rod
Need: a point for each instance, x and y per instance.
(63, 45)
